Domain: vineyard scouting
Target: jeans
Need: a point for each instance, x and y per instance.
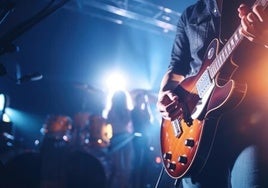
(242, 174)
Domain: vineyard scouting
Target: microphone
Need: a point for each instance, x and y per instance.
(30, 77)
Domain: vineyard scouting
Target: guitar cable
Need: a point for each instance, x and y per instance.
(159, 177)
(176, 183)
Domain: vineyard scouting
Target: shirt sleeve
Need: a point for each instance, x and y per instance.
(180, 54)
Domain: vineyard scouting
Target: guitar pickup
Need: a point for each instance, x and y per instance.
(177, 129)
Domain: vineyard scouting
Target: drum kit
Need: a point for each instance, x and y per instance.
(58, 127)
(86, 133)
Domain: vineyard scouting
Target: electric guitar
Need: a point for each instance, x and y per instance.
(186, 141)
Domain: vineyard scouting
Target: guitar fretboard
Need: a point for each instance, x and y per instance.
(229, 47)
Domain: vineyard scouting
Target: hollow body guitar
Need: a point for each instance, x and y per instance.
(186, 141)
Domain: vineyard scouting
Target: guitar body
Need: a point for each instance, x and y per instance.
(186, 142)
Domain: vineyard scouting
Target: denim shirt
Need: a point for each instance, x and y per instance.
(196, 28)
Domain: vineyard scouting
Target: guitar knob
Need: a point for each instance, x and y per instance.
(182, 159)
(171, 166)
(167, 156)
(189, 142)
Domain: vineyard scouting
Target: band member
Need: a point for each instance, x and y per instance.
(121, 143)
(141, 118)
(238, 157)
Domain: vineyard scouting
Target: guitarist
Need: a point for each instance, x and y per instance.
(239, 155)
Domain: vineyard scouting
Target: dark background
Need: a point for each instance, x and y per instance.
(73, 48)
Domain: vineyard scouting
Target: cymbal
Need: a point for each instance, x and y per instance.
(88, 88)
(152, 96)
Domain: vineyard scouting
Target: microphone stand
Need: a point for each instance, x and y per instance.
(6, 44)
(6, 8)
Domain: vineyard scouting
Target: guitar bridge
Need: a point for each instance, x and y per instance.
(177, 129)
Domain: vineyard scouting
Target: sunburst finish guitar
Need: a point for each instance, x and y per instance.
(186, 142)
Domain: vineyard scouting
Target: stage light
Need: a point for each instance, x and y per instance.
(3, 102)
(86, 141)
(137, 134)
(36, 142)
(116, 81)
(158, 160)
(108, 131)
(6, 118)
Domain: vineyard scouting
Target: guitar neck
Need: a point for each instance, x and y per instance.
(225, 53)
(229, 47)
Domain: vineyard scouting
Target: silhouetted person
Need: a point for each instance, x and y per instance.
(141, 118)
(121, 143)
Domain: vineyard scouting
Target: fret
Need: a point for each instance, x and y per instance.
(229, 48)
(222, 57)
(239, 36)
(224, 52)
(236, 37)
(217, 63)
(213, 69)
(232, 42)
(211, 72)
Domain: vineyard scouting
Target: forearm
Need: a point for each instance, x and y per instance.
(170, 81)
